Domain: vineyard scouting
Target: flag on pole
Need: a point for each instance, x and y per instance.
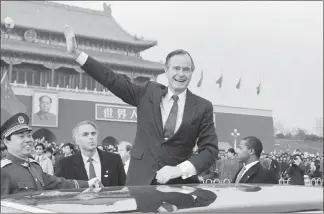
(258, 89)
(10, 104)
(220, 81)
(201, 79)
(238, 85)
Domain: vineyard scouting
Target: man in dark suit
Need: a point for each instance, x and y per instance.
(169, 120)
(249, 151)
(91, 162)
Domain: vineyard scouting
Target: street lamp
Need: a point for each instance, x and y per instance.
(9, 24)
(235, 134)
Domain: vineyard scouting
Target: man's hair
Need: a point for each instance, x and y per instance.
(70, 145)
(41, 97)
(179, 52)
(255, 144)
(76, 129)
(231, 150)
(49, 149)
(40, 144)
(110, 140)
(128, 145)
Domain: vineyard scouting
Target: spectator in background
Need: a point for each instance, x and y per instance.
(265, 162)
(43, 160)
(101, 147)
(274, 166)
(124, 149)
(49, 153)
(230, 166)
(296, 171)
(110, 144)
(67, 150)
(4, 151)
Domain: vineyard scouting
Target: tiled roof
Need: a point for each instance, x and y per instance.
(60, 52)
(50, 16)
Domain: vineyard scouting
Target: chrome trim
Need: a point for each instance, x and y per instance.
(25, 208)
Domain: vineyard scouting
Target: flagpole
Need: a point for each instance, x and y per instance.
(3, 77)
(240, 93)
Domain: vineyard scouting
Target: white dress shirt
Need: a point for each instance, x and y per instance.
(96, 163)
(126, 165)
(248, 166)
(187, 168)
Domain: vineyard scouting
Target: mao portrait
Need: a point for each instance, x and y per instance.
(45, 110)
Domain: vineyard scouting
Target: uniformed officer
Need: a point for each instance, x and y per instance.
(19, 173)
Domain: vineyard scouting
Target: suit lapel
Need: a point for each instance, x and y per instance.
(79, 168)
(156, 101)
(250, 173)
(104, 167)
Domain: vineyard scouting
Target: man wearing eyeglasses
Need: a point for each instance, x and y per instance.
(296, 171)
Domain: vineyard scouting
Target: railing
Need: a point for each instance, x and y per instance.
(282, 181)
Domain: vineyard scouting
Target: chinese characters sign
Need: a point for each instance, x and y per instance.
(116, 113)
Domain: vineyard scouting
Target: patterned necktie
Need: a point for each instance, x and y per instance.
(239, 176)
(170, 124)
(92, 173)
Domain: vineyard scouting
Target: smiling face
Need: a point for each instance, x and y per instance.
(179, 72)
(20, 144)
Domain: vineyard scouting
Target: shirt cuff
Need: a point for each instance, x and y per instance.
(82, 58)
(187, 169)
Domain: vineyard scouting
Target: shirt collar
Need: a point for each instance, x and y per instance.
(182, 96)
(248, 166)
(95, 157)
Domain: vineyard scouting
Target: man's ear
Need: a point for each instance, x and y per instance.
(6, 141)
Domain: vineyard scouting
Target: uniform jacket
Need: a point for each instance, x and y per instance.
(150, 151)
(112, 168)
(18, 175)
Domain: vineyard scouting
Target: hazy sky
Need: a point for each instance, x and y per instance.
(279, 43)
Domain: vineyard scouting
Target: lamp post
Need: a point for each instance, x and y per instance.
(235, 134)
(9, 24)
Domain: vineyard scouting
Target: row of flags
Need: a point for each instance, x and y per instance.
(220, 83)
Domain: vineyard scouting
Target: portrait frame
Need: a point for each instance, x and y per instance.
(53, 112)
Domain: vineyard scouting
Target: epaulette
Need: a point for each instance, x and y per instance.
(5, 162)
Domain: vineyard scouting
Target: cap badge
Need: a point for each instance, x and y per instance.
(21, 119)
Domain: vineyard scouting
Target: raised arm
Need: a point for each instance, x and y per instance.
(118, 84)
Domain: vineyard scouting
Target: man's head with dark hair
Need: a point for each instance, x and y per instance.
(231, 153)
(179, 67)
(250, 149)
(110, 144)
(67, 148)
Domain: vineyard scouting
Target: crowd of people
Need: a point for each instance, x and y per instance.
(287, 166)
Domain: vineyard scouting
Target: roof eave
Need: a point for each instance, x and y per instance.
(156, 70)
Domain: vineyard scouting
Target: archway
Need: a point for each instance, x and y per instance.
(47, 134)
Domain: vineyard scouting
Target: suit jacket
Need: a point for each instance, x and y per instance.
(150, 151)
(72, 167)
(258, 175)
